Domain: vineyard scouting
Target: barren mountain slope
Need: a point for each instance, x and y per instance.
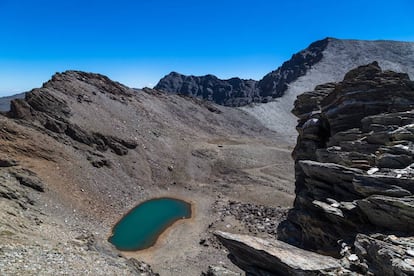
(98, 148)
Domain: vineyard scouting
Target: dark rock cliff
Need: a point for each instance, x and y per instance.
(239, 92)
(232, 92)
(276, 83)
(354, 169)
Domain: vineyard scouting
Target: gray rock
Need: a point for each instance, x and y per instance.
(386, 255)
(28, 179)
(354, 174)
(231, 92)
(394, 161)
(219, 271)
(272, 257)
(394, 213)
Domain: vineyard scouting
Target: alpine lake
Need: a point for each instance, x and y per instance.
(140, 228)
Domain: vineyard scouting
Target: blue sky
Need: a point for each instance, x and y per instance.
(138, 42)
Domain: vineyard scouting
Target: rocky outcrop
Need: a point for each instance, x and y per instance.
(385, 254)
(239, 92)
(354, 169)
(231, 92)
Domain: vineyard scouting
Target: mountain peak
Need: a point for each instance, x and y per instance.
(332, 57)
(72, 80)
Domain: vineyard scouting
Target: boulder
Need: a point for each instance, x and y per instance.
(272, 257)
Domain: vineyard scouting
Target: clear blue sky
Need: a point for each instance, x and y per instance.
(137, 42)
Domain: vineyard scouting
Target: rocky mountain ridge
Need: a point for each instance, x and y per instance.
(239, 92)
(354, 182)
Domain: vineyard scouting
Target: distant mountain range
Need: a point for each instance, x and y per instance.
(336, 57)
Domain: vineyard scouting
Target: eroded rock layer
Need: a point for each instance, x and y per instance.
(354, 166)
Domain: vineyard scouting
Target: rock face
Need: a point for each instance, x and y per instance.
(239, 92)
(276, 83)
(232, 92)
(354, 169)
(354, 172)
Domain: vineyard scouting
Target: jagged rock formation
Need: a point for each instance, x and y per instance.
(354, 159)
(239, 92)
(232, 92)
(354, 169)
